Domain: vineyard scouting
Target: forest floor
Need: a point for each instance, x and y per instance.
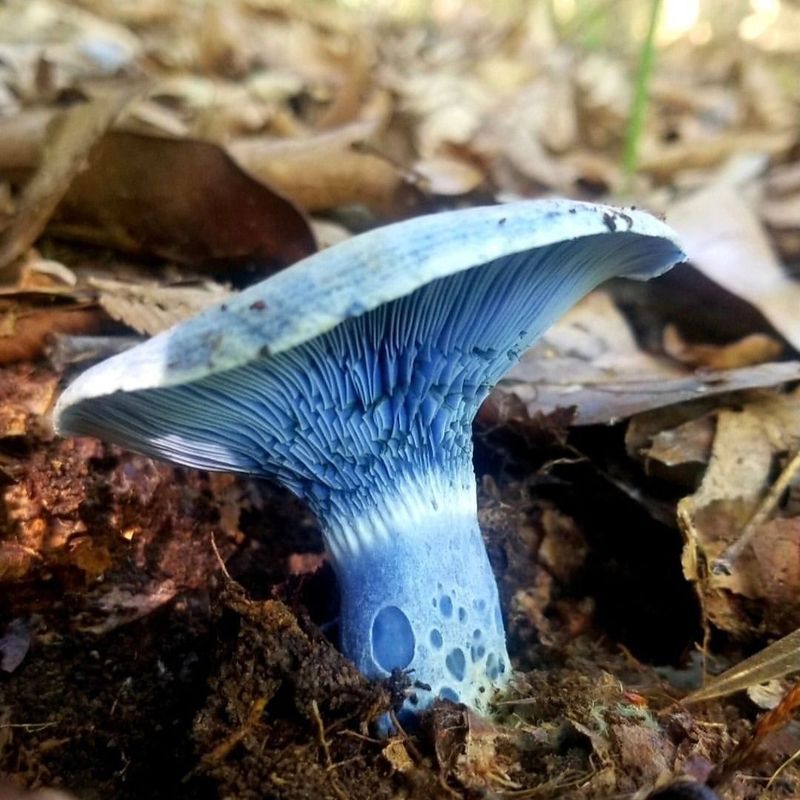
(171, 633)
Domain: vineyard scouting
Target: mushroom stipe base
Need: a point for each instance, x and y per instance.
(424, 598)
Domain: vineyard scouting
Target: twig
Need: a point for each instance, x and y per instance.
(323, 742)
(360, 737)
(449, 789)
(219, 558)
(344, 763)
(28, 727)
(724, 564)
(773, 720)
(230, 741)
(633, 135)
(789, 761)
(692, 536)
(774, 661)
(566, 781)
(406, 738)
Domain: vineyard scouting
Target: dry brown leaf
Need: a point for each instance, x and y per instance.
(757, 348)
(396, 754)
(603, 94)
(674, 442)
(483, 765)
(747, 749)
(767, 695)
(22, 140)
(223, 32)
(552, 99)
(598, 338)
(294, 142)
(775, 661)
(448, 108)
(590, 359)
(121, 605)
(688, 443)
(769, 104)
(514, 135)
(55, 44)
(644, 751)
(664, 161)
(765, 567)
(468, 748)
(776, 548)
(24, 330)
(595, 170)
(347, 104)
(181, 199)
(319, 173)
(154, 119)
(16, 561)
(69, 147)
(24, 398)
(449, 176)
(782, 213)
(783, 179)
(41, 276)
(152, 307)
(725, 240)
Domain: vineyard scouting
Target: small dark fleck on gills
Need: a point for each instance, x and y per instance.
(573, 211)
(223, 307)
(610, 221)
(258, 305)
(501, 221)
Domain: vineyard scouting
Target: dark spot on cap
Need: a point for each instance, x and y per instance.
(212, 339)
(627, 219)
(223, 307)
(258, 305)
(265, 352)
(610, 221)
(573, 211)
(501, 221)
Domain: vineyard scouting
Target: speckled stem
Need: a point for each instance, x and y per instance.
(419, 594)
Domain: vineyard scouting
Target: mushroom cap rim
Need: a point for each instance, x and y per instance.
(357, 276)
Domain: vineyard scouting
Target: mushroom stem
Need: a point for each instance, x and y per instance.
(418, 591)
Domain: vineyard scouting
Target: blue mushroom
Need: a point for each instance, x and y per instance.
(353, 378)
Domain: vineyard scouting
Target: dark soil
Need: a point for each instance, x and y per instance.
(151, 673)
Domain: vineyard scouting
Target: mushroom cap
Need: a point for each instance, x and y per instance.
(313, 348)
(349, 279)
